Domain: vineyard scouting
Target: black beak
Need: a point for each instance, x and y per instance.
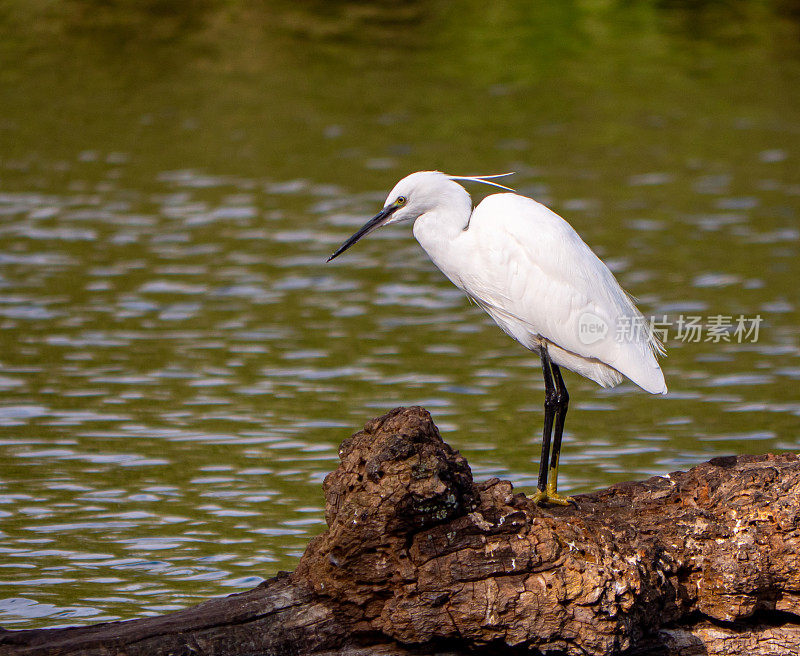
(375, 222)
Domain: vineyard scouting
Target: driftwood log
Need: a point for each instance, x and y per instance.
(420, 559)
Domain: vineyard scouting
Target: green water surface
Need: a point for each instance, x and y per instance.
(178, 365)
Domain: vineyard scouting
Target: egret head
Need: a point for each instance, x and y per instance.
(415, 195)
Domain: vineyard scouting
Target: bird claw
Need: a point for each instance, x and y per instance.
(541, 498)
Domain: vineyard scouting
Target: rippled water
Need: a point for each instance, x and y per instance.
(178, 364)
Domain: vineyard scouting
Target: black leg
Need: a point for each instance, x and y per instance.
(556, 401)
(549, 411)
(562, 403)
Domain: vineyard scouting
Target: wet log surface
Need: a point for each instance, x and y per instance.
(420, 559)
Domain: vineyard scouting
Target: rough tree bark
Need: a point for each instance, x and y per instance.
(420, 559)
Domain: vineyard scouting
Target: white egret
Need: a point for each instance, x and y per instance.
(539, 281)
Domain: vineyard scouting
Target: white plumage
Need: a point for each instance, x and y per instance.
(532, 273)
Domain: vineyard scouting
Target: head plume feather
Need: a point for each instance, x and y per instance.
(483, 179)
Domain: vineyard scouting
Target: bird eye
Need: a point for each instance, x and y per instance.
(401, 200)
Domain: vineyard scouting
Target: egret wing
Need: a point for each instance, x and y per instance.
(539, 280)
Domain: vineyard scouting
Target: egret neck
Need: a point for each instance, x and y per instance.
(441, 229)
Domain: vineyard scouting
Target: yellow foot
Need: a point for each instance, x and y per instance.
(551, 496)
